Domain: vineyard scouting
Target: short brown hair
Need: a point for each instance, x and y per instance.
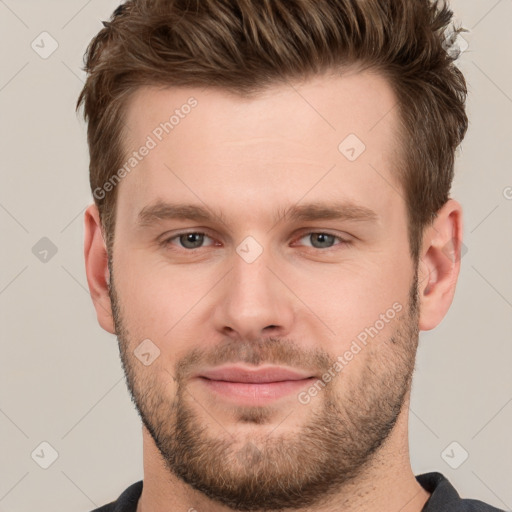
(246, 45)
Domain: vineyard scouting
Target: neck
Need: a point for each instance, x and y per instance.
(386, 484)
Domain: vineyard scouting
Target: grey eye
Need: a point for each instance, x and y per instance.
(321, 240)
(191, 240)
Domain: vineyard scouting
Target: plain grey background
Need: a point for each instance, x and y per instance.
(61, 380)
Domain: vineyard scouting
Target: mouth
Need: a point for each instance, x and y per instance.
(251, 386)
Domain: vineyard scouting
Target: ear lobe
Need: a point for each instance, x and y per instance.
(439, 264)
(96, 268)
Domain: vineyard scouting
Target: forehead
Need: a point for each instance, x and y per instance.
(334, 134)
(330, 105)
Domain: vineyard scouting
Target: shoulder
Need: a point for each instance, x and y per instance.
(127, 502)
(444, 497)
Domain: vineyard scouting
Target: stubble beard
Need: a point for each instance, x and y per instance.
(277, 469)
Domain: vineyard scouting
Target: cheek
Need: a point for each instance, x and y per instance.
(348, 300)
(355, 298)
(156, 297)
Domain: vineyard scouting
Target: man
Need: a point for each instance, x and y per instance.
(272, 227)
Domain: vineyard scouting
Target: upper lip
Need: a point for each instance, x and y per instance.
(255, 375)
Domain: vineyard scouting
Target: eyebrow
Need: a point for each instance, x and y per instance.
(153, 213)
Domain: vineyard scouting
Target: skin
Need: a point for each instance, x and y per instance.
(297, 305)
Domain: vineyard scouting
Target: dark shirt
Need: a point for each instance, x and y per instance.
(444, 498)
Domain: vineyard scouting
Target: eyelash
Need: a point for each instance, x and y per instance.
(167, 242)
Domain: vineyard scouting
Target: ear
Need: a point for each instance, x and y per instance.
(96, 268)
(439, 264)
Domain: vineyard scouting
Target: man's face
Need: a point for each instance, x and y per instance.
(331, 298)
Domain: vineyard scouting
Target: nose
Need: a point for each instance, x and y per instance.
(254, 302)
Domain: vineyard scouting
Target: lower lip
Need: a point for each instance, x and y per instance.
(250, 392)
